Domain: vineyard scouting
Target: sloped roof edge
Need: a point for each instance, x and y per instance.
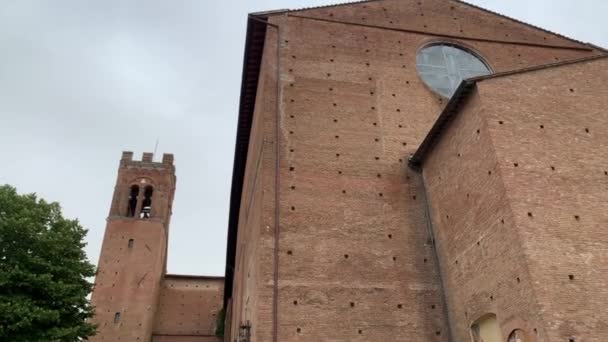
(452, 109)
(457, 1)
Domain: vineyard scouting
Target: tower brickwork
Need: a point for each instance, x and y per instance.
(134, 297)
(134, 251)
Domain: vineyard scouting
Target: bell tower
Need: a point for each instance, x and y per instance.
(133, 256)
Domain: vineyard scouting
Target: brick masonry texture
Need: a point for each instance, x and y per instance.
(134, 299)
(355, 259)
(545, 137)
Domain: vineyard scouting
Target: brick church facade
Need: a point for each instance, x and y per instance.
(404, 171)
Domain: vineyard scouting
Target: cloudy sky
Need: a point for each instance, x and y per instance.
(80, 81)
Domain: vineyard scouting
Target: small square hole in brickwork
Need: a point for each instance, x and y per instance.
(360, 331)
(515, 164)
(500, 122)
(478, 131)
(117, 317)
(345, 256)
(394, 258)
(337, 154)
(399, 306)
(291, 168)
(576, 217)
(295, 302)
(518, 280)
(379, 175)
(293, 187)
(298, 330)
(425, 260)
(291, 150)
(130, 243)
(491, 297)
(587, 130)
(433, 306)
(553, 168)
(352, 304)
(571, 90)
(489, 172)
(293, 208)
(437, 332)
(377, 158)
(390, 236)
(380, 194)
(289, 252)
(414, 197)
(529, 214)
(335, 120)
(571, 276)
(571, 340)
(542, 126)
(376, 139)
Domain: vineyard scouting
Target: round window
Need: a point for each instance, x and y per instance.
(443, 66)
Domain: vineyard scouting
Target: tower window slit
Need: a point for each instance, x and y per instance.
(146, 207)
(133, 194)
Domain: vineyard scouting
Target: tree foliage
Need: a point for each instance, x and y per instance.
(43, 272)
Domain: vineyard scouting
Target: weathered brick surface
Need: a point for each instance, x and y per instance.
(526, 242)
(353, 225)
(161, 338)
(480, 251)
(560, 179)
(189, 306)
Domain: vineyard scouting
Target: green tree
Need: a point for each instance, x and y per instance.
(43, 272)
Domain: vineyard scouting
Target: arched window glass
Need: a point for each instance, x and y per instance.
(486, 329)
(146, 206)
(443, 66)
(518, 336)
(132, 203)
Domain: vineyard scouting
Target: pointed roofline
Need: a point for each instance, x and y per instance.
(283, 11)
(453, 107)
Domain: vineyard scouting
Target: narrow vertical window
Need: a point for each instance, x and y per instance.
(117, 317)
(146, 207)
(130, 244)
(133, 194)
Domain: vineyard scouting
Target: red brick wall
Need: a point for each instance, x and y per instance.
(160, 338)
(352, 108)
(188, 308)
(561, 180)
(480, 250)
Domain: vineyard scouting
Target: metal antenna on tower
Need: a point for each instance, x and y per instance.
(155, 146)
